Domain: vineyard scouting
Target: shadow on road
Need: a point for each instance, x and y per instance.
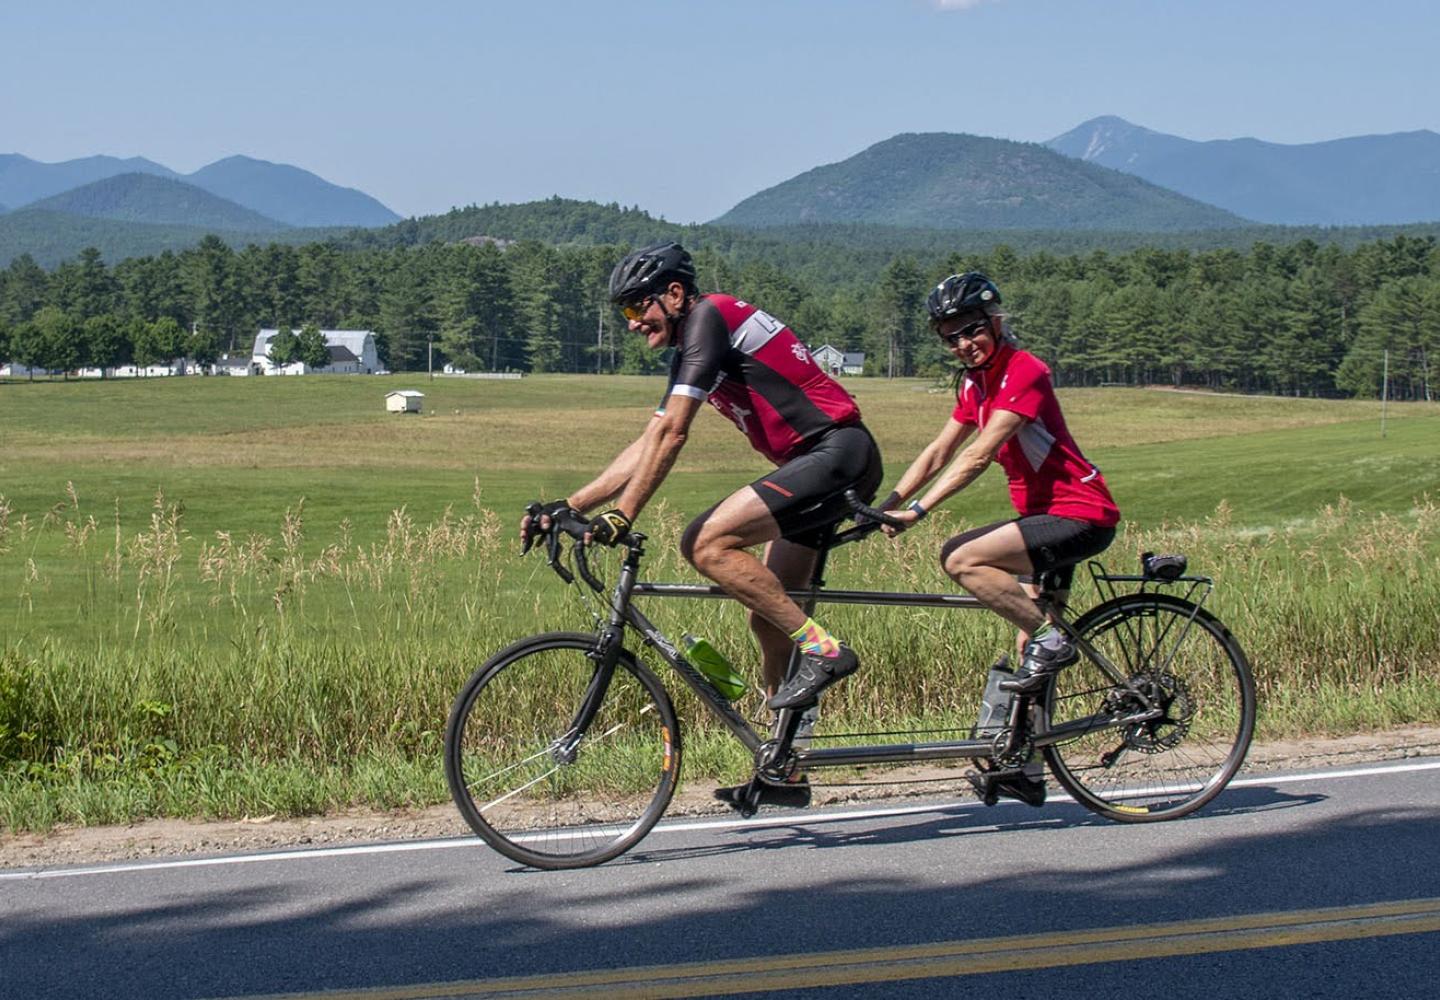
(452, 915)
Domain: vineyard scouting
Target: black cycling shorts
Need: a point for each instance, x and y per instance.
(806, 495)
(1051, 542)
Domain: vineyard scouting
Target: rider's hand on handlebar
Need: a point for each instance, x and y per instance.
(609, 528)
(540, 518)
(909, 517)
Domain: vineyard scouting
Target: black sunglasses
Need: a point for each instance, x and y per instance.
(968, 332)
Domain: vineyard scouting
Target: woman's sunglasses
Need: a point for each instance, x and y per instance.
(968, 332)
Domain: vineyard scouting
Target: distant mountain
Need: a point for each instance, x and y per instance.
(290, 194)
(947, 181)
(54, 237)
(279, 192)
(157, 201)
(23, 180)
(1371, 179)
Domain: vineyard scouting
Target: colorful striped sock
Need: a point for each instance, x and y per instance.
(814, 640)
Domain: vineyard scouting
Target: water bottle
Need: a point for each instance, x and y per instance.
(712, 663)
(995, 704)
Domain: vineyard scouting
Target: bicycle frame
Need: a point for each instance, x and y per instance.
(772, 753)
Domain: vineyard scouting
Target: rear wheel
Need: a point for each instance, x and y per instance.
(1189, 665)
(527, 788)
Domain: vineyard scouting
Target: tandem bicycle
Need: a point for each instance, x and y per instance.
(563, 750)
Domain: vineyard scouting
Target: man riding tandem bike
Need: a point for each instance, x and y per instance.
(550, 739)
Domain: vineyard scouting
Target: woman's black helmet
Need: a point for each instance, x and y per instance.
(649, 271)
(961, 293)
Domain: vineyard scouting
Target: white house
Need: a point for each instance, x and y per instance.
(404, 401)
(356, 354)
(838, 362)
(233, 364)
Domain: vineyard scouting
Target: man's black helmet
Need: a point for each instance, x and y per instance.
(961, 293)
(649, 270)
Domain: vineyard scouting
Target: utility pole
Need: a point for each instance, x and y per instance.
(430, 355)
(599, 337)
(1384, 390)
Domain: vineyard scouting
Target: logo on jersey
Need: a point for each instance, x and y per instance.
(798, 349)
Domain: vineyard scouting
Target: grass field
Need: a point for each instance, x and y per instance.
(242, 596)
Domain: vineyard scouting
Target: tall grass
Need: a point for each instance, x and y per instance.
(302, 669)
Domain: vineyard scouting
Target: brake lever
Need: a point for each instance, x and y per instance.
(552, 545)
(583, 565)
(532, 529)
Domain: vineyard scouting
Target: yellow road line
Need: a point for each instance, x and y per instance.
(942, 959)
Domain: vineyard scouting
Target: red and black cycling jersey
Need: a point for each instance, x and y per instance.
(1048, 472)
(755, 371)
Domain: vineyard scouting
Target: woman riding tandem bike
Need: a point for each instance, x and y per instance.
(1066, 511)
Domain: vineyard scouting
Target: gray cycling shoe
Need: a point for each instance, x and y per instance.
(812, 675)
(1044, 658)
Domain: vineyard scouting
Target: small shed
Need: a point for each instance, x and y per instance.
(404, 401)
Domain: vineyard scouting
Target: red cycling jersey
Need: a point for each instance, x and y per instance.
(754, 370)
(1048, 473)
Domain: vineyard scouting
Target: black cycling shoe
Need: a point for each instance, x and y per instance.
(812, 675)
(1039, 665)
(992, 787)
(792, 795)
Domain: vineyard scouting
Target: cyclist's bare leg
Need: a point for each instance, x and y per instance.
(716, 547)
(987, 566)
(792, 565)
(1060, 597)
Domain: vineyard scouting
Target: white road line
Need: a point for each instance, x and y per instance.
(676, 826)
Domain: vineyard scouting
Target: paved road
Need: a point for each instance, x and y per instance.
(1301, 885)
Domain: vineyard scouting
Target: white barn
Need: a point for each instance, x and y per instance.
(352, 352)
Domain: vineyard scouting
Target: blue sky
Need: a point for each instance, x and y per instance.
(681, 107)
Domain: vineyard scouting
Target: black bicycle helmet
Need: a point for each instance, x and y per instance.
(960, 293)
(650, 270)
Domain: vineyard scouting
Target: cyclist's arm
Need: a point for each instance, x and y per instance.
(1001, 427)
(935, 456)
(661, 446)
(617, 474)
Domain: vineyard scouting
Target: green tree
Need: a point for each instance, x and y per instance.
(107, 343)
(213, 282)
(311, 348)
(27, 347)
(25, 289)
(284, 348)
(900, 317)
(60, 340)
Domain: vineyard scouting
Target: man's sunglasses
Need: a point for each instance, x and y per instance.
(632, 311)
(968, 332)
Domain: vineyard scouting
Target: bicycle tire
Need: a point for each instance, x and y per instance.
(1168, 767)
(520, 795)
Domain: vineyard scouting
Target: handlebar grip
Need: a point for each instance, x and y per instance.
(861, 509)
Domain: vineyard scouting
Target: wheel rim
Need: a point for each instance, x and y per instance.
(545, 801)
(1173, 764)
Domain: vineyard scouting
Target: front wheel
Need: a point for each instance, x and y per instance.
(535, 790)
(1189, 666)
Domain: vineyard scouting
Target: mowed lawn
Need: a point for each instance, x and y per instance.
(238, 452)
(284, 628)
